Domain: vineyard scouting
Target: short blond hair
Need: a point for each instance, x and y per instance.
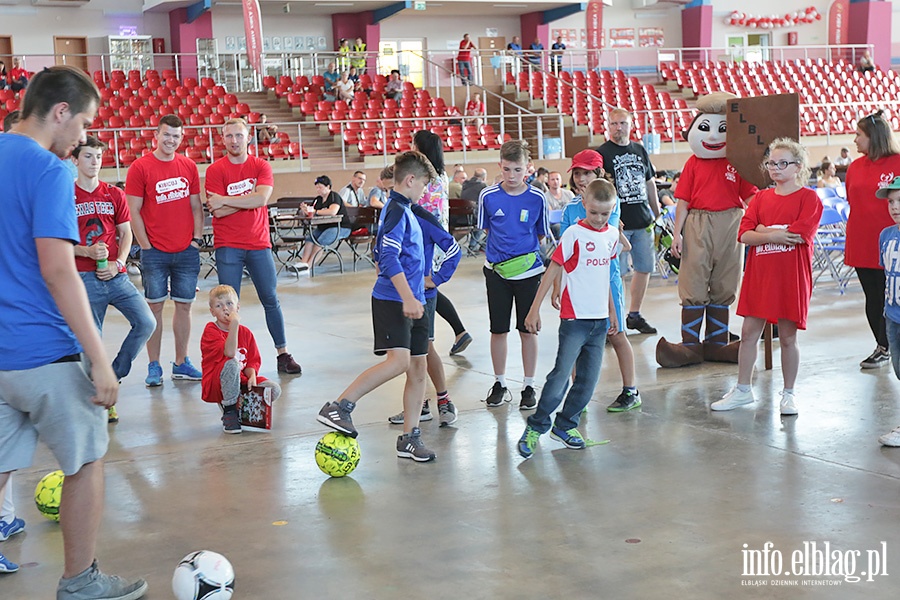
(237, 121)
(599, 190)
(221, 291)
(621, 111)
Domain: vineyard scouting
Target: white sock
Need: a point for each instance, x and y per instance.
(743, 387)
(8, 512)
(529, 381)
(501, 379)
(788, 391)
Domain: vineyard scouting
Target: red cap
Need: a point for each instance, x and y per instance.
(588, 160)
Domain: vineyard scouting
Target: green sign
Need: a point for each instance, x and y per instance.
(419, 5)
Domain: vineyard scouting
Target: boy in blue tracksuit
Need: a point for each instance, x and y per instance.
(398, 312)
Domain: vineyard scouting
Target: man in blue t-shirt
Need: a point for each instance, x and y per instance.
(514, 214)
(398, 312)
(46, 392)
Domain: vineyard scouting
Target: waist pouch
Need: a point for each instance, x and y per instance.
(515, 266)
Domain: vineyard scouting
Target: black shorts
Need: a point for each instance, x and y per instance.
(500, 295)
(394, 331)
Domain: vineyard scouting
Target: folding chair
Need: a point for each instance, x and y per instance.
(828, 252)
(462, 224)
(364, 221)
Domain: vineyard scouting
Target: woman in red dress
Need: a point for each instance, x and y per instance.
(779, 226)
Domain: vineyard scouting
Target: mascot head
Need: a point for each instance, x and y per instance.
(706, 135)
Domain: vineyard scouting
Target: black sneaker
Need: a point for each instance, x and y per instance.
(337, 416)
(410, 445)
(879, 358)
(497, 396)
(626, 401)
(529, 399)
(231, 420)
(639, 323)
(287, 364)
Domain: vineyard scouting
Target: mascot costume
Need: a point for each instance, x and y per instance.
(711, 201)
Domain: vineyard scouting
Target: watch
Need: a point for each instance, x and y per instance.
(198, 241)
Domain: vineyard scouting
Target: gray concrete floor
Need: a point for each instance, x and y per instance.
(662, 511)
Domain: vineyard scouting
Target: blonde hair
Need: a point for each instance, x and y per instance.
(515, 151)
(599, 190)
(800, 154)
(237, 121)
(221, 291)
(620, 111)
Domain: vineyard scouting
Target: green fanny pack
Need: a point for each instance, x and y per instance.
(515, 266)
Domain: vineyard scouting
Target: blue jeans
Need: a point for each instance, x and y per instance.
(643, 257)
(121, 293)
(581, 344)
(893, 335)
(465, 70)
(230, 263)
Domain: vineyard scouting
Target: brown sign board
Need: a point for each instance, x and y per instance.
(753, 123)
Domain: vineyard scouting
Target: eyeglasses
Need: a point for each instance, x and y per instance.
(779, 165)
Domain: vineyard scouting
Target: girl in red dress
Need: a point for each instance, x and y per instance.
(779, 226)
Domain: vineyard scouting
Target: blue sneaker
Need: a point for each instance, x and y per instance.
(570, 439)
(154, 375)
(528, 441)
(7, 566)
(7, 530)
(186, 371)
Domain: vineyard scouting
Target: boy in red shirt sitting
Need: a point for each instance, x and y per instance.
(230, 357)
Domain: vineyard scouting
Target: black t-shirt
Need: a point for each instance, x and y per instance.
(332, 198)
(631, 168)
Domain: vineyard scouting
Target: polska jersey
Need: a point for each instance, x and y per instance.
(585, 255)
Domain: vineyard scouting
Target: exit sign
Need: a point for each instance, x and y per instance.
(419, 5)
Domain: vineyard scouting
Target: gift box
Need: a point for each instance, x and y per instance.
(255, 407)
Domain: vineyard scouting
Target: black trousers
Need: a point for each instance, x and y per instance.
(873, 282)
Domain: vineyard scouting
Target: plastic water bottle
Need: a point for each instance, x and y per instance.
(102, 264)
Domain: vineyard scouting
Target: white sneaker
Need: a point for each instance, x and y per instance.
(891, 439)
(300, 266)
(788, 407)
(733, 399)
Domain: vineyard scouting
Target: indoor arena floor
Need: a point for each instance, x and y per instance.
(671, 508)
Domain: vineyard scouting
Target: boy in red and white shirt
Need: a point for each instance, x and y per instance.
(587, 314)
(230, 357)
(238, 190)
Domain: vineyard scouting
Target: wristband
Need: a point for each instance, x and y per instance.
(198, 241)
(121, 266)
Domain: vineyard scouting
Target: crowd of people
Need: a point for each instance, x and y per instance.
(58, 384)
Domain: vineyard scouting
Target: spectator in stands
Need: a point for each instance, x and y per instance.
(844, 159)
(557, 54)
(464, 59)
(359, 56)
(331, 77)
(18, 77)
(379, 194)
(265, 133)
(827, 176)
(394, 87)
(459, 177)
(474, 110)
(353, 75)
(866, 63)
(353, 193)
(557, 196)
(536, 55)
(328, 203)
(879, 162)
(633, 177)
(344, 88)
(515, 47)
(4, 75)
(344, 55)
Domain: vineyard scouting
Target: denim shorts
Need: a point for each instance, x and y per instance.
(170, 274)
(642, 255)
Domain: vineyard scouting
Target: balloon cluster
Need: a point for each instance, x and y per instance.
(801, 17)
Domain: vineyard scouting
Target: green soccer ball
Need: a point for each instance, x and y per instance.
(337, 454)
(48, 494)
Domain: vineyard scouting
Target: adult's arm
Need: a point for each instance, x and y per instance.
(137, 222)
(56, 260)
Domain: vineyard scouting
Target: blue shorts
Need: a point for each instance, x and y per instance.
(642, 255)
(170, 274)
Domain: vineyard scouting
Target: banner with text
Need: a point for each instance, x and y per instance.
(594, 15)
(253, 31)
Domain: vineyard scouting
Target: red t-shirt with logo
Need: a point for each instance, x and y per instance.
(212, 351)
(868, 215)
(246, 229)
(166, 187)
(713, 184)
(98, 214)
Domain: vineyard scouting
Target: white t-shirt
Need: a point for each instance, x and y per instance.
(585, 254)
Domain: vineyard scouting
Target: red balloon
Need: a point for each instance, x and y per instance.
(818, 17)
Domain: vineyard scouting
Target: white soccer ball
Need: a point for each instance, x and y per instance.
(203, 575)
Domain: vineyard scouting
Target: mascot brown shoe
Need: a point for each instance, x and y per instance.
(716, 347)
(690, 350)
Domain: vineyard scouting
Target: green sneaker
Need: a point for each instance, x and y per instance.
(528, 441)
(570, 439)
(626, 401)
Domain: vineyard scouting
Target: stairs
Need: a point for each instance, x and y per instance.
(324, 151)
